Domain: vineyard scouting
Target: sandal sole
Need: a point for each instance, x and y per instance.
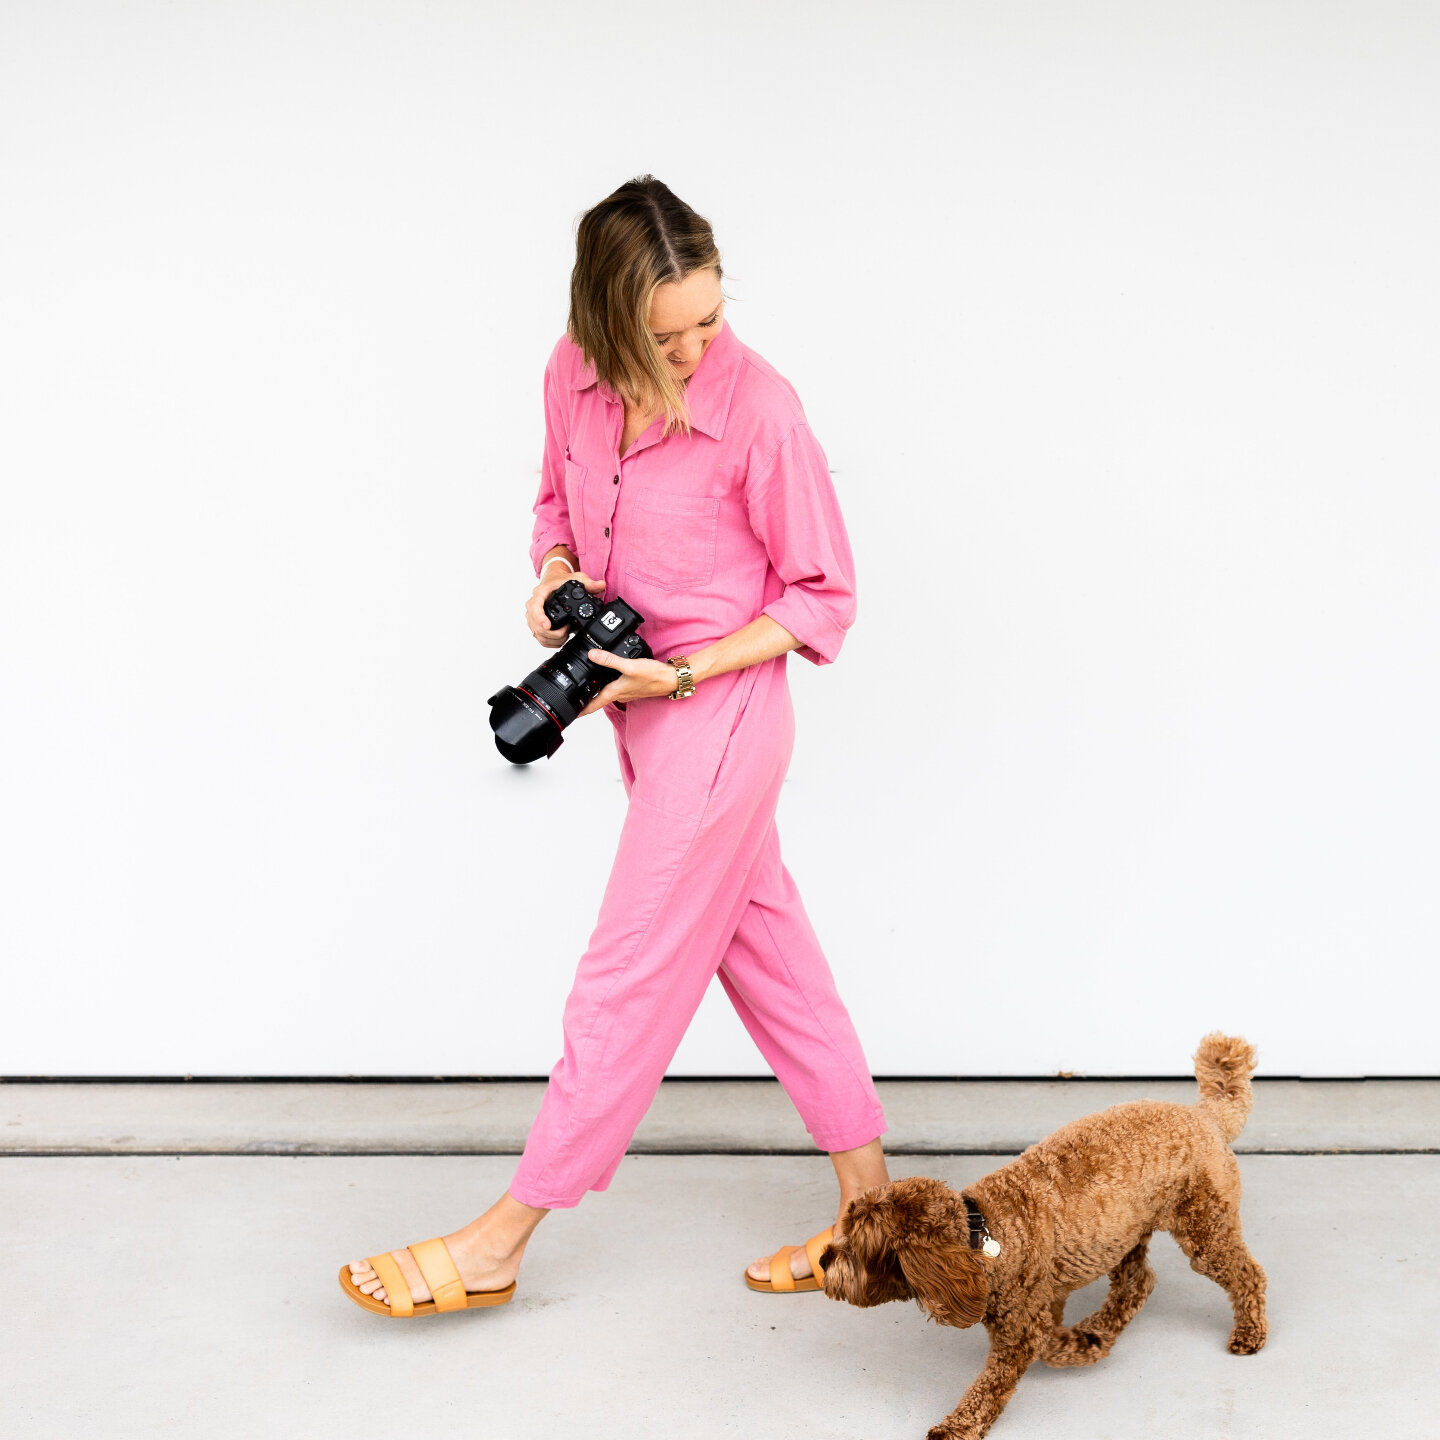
(764, 1287)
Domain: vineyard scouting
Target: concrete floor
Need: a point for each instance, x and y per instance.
(196, 1295)
(925, 1117)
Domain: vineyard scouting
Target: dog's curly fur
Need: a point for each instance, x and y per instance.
(1080, 1204)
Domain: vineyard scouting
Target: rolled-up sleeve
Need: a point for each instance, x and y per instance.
(552, 514)
(796, 514)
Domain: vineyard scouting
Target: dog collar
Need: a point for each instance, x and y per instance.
(980, 1236)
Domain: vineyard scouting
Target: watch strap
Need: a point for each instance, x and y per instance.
(685, 684)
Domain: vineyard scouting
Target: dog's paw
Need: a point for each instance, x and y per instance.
(1245, 1339)
(1071, 1346)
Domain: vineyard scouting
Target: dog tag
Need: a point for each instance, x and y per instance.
(991, 1247)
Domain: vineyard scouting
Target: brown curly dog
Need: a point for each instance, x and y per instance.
(1082, 1203)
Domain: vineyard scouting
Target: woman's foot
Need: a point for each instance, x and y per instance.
(479, 1268)
(799, 1265)
(857, 1171)
(487, 1253)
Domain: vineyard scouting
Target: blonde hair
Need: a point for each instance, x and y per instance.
(636, 239)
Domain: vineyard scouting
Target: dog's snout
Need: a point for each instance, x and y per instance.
(827, 1256)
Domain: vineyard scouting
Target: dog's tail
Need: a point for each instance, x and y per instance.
(1223, 1065)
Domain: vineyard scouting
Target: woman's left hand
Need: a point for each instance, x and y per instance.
(638, 679)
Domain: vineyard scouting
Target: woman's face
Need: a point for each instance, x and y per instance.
(685, 316)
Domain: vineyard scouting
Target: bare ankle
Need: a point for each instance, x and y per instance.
(503, 1231)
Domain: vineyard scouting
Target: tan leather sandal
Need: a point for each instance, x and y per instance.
(782, 1280)
(447, 1290)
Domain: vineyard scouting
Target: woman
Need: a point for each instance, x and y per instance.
(680, 474)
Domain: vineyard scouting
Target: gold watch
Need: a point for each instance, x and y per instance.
(686, 683)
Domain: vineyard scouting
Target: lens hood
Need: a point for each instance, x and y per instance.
(524, 729)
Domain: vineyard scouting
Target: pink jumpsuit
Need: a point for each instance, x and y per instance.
(700, 534)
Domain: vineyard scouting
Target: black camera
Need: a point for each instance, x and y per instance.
(529, 719)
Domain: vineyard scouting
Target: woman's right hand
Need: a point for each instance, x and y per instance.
(535, 617)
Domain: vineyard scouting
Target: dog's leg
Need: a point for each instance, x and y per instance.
(1057, 1326)
(1207, 1229)
(1131, 1282)
(1013, 1348)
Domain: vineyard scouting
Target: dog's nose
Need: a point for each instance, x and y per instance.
(826, 1256)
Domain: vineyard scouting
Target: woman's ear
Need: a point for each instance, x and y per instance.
(948, 1278)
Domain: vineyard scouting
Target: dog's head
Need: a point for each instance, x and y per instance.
(906, 1240)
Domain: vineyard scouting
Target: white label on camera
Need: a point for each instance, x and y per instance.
(611, 620)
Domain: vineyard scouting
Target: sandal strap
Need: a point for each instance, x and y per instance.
(447, 1289)
(393, 1279)
(781, 1276)
(813, 1246)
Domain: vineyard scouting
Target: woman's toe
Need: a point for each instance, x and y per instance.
(366, 1281)
(760, 1269)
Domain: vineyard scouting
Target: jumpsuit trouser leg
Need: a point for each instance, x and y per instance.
(697, 885)
(779, 982)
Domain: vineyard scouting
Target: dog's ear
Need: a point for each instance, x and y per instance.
(947, 1276)
(859, 1264)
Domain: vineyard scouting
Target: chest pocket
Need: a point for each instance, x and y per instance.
(672, 539)
(575, 501)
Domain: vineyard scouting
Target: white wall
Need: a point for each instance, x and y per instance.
(1118, 324)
